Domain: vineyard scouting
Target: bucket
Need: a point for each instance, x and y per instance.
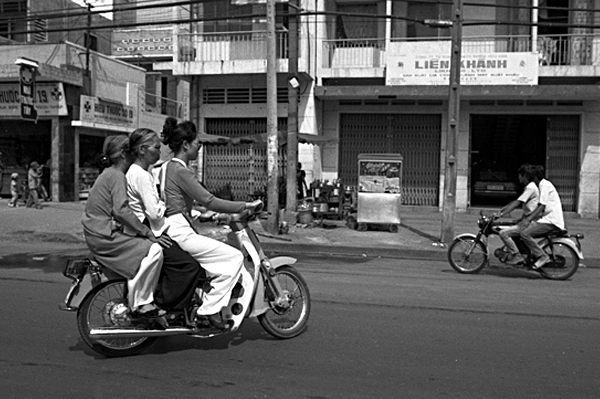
(305, 217)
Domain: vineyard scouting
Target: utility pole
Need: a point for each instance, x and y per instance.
(272, 142)
(292, 124)
(88, 42)
(453, 127)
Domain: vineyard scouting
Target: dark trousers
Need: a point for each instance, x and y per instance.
(178, 279)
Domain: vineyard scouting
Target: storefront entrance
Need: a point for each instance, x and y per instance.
(416, 137)
(21, 143)
(501, 143)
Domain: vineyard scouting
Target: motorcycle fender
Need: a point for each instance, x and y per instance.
(473, 236)
(84, 287)
(569, 243)
(260, 305)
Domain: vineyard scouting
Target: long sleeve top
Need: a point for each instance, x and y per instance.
(107, 203)
(182, 189)
(143, 197)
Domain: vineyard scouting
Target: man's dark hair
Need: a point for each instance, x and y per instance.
(539, 172)
(527, 170)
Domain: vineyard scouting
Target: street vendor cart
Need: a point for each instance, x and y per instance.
(379, 187)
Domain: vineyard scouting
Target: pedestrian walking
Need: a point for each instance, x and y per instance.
(14, 190)
(33, 183)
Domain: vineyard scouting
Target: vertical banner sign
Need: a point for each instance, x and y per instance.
(27, 78)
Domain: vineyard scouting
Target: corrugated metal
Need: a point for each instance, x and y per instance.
(416, 137)
(243, 166)
(562, 158)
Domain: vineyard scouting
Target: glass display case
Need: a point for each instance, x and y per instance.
(379, 190)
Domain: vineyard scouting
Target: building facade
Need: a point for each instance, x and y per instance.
(374, 78)
(82, 95)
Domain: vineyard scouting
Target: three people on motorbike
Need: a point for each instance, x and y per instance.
(541, 215)
(125, 225)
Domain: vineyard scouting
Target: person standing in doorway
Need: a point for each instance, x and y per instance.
(301, 177)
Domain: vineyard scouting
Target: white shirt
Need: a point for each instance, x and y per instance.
(530, 198)
(553, 213)
(143, 198)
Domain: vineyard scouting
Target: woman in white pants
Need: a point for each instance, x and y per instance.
(115, 236)
(179, 189)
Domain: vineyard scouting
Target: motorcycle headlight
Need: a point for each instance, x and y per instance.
(482, 222)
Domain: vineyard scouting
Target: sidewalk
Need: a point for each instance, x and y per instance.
(57, 227)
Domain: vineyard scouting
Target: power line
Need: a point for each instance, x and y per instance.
(301, 13)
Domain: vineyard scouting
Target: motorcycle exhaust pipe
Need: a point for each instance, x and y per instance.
(111, 332)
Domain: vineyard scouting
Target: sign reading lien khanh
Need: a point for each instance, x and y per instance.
(413, 68)
(95, 110)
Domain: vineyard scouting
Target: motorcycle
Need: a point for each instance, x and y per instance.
(277, 295)
(468, 253)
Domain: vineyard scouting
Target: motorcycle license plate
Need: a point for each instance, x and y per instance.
(495, 187)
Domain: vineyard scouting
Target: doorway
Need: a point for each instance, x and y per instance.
(501, 143)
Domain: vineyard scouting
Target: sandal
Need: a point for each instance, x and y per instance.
(150, 311)
(214, 320)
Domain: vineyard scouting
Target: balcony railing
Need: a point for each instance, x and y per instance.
(554, 50)
(353, 53)
(229, 46)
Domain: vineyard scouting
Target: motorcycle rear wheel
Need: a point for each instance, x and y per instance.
(564, 262)
(106, 306)
(287, 321)
(467, 255)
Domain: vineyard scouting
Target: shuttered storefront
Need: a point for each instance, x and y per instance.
(237, 169)
(416, 137)
(562, 158)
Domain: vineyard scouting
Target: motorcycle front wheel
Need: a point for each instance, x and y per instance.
(287, 319)
(106, 306)
(563, 261)
(467, 255)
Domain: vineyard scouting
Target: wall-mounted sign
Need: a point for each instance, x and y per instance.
(100, 111)
(407, 65)
(27, 88)
(49, 99)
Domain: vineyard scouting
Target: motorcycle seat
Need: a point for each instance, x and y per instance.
(556, 233)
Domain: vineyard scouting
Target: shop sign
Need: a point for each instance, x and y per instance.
(99, 111)
(49, 99)
(433, 68)
(27, 87)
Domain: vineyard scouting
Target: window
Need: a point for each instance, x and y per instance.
(426, 11)
(40, 26)
(355, 27)
(91, 41)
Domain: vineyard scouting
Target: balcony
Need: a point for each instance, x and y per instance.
(228, 52)
(574, 55)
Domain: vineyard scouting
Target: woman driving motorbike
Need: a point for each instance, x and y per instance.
(179, 189)
(116, 237)
(180, 272)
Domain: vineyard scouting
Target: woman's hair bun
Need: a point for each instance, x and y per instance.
(104, 161)
(168, 127)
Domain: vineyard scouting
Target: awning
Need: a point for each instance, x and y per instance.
(261, 138)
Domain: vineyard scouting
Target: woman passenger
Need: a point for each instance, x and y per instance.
(180, 272)
(180, 189)
(115, 236)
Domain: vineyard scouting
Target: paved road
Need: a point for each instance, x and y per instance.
(379, 328)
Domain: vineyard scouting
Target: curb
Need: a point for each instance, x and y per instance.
(394, 253)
